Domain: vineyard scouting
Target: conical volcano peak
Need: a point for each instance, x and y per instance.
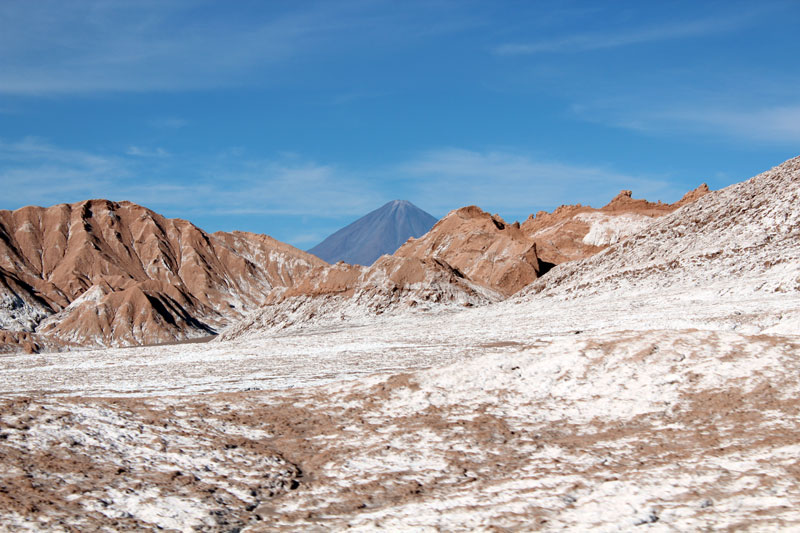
(377, 233)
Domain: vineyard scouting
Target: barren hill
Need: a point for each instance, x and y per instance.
(486, 249)
(115, 274)
(576, 231)
(356, 294)
(468, 258)
(105, 273)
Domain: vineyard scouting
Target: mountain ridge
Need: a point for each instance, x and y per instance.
(108, 273)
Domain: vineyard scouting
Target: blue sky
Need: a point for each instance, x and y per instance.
(295, 118)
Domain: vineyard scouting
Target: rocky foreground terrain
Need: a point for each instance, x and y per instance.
(652, 386)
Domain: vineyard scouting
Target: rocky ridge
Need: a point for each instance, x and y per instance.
(111, 274)
(484, 247)
(354, 294)
(115, 274)
(576, 231)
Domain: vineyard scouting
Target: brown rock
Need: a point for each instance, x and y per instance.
(574, 232)
(108, 273)
(483, 247)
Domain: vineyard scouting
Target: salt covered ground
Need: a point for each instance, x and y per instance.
(607, 413)
(320, 353)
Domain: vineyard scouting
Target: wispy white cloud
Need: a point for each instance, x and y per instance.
(54, 47)
(169, 123)
(514, 184)
(33, 171)
(776, 125)
(779, 124)
(146, 152)
(288, 186)
(627, 36)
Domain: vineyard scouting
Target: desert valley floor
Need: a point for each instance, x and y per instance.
(654, 386)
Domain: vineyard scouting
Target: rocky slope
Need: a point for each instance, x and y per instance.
(482, 246)
(101, 273)
(748, 232)
(353, 294)
(106, 273)
(506, 257)
(377, 233)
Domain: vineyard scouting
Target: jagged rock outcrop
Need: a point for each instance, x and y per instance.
(469, 257)
(106, 273)
(507, 257)
(484, 247)
(114, 274)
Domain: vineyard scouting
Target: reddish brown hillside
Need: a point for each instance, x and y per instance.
(105, 273)
(117, 273)
(575, 231)
(482, 246)
(506, 257)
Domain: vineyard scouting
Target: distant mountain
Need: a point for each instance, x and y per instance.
(380, 232)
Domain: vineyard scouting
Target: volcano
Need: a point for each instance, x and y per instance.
(375, 234)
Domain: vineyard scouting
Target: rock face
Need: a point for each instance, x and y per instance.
(482, 246)
(468, 258)
(378, 233)
(105, 273)
(576, 231)
(117, 274)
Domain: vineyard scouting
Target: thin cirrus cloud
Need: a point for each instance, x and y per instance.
(513, 183)
(54, 47)
(35, 172)
(147, 152)
(288, 187)
(777, 125)
(627, 36)
(168, 123)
